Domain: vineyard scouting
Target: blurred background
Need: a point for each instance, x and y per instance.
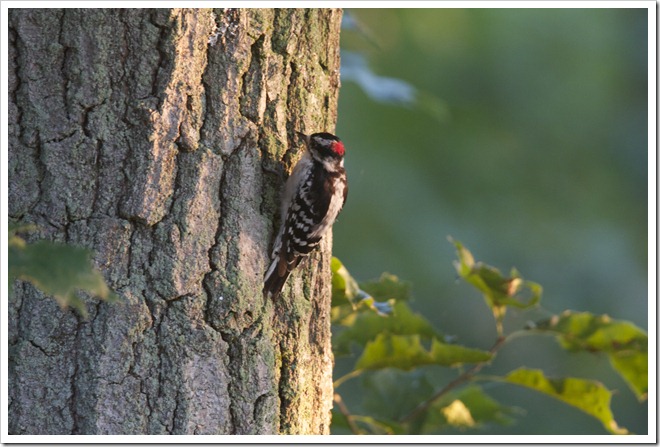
(523, 134)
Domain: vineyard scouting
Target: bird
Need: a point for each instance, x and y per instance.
(314, 194)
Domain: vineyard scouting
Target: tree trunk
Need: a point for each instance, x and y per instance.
(161, 139)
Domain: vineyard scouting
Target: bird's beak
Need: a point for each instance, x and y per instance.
(303, 136)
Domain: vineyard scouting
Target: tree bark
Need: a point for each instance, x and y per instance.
(161, 140)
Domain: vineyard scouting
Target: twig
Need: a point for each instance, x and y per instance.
(344, 378)
(467, 375)
(347, 414)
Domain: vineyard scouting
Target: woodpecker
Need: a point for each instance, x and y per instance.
(313, 196)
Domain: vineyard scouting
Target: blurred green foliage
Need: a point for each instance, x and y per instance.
(57, 269)
(527, 140)
(625, 344)
(408, 403)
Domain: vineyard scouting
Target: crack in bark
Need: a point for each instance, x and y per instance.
(97, 176)
(38, 347)
(284, 388)
(35, 142)
(231, 386)
(13, 92)
(73, 405)
(163, 55)
(161, 353)
(66, 55)
(259, 406)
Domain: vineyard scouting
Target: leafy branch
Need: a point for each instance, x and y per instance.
(396, 349)
(461, 379)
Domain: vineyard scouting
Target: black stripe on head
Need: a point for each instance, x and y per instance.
(326, 145)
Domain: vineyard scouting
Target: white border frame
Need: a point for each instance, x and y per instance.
(342, 439)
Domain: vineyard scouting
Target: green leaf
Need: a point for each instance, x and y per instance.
(342, 314)
(406, 352)
(366, 326)
(390, 394)
(580, 331)
(344, 287)
(625, 344)
(483, 408)
(347, 297)
(467, 408)
(58, 270)
(587, 395)
(633, 368)
(497, 289)
(465, 259)
(381, 308)
(387, 287)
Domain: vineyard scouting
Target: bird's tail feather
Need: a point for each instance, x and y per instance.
(275, 278)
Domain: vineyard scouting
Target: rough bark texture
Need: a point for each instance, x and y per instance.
(161, 139)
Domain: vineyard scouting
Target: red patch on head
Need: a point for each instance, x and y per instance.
(338, 148)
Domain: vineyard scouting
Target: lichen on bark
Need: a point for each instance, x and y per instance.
(161, 139)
